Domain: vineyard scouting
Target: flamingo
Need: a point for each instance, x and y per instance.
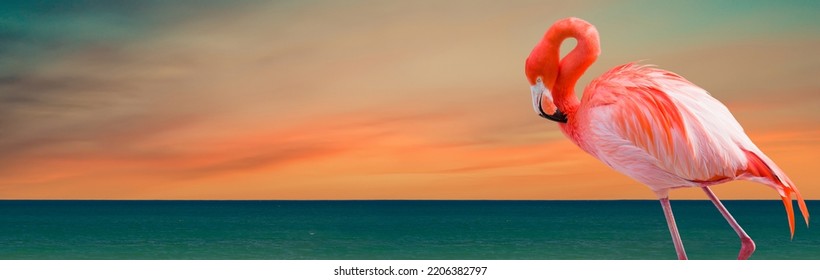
(650, 124)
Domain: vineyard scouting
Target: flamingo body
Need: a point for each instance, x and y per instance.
(650, 124)
(660, 129)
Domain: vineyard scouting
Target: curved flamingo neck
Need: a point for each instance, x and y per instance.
(572, 66)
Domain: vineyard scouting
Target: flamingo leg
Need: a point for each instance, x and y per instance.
(747, 246)
(673, 228)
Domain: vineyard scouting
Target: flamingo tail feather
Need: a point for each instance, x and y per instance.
(803, 208)
(787, 202)
(762, 169)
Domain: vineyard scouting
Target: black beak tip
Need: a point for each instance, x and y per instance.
(558, 116)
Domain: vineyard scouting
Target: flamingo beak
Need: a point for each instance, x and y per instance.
(539, 92)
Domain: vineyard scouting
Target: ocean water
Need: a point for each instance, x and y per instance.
(598, 230)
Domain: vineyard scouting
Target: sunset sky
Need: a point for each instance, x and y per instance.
(367, 99)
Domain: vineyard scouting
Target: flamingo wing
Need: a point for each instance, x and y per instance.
(679, 126)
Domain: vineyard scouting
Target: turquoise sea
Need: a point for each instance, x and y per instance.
(391, 230)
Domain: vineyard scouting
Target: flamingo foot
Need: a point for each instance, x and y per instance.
(747, 247)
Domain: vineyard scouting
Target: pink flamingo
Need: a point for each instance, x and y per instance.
(650, 124)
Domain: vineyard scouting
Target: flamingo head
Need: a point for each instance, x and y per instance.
(541, 73)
